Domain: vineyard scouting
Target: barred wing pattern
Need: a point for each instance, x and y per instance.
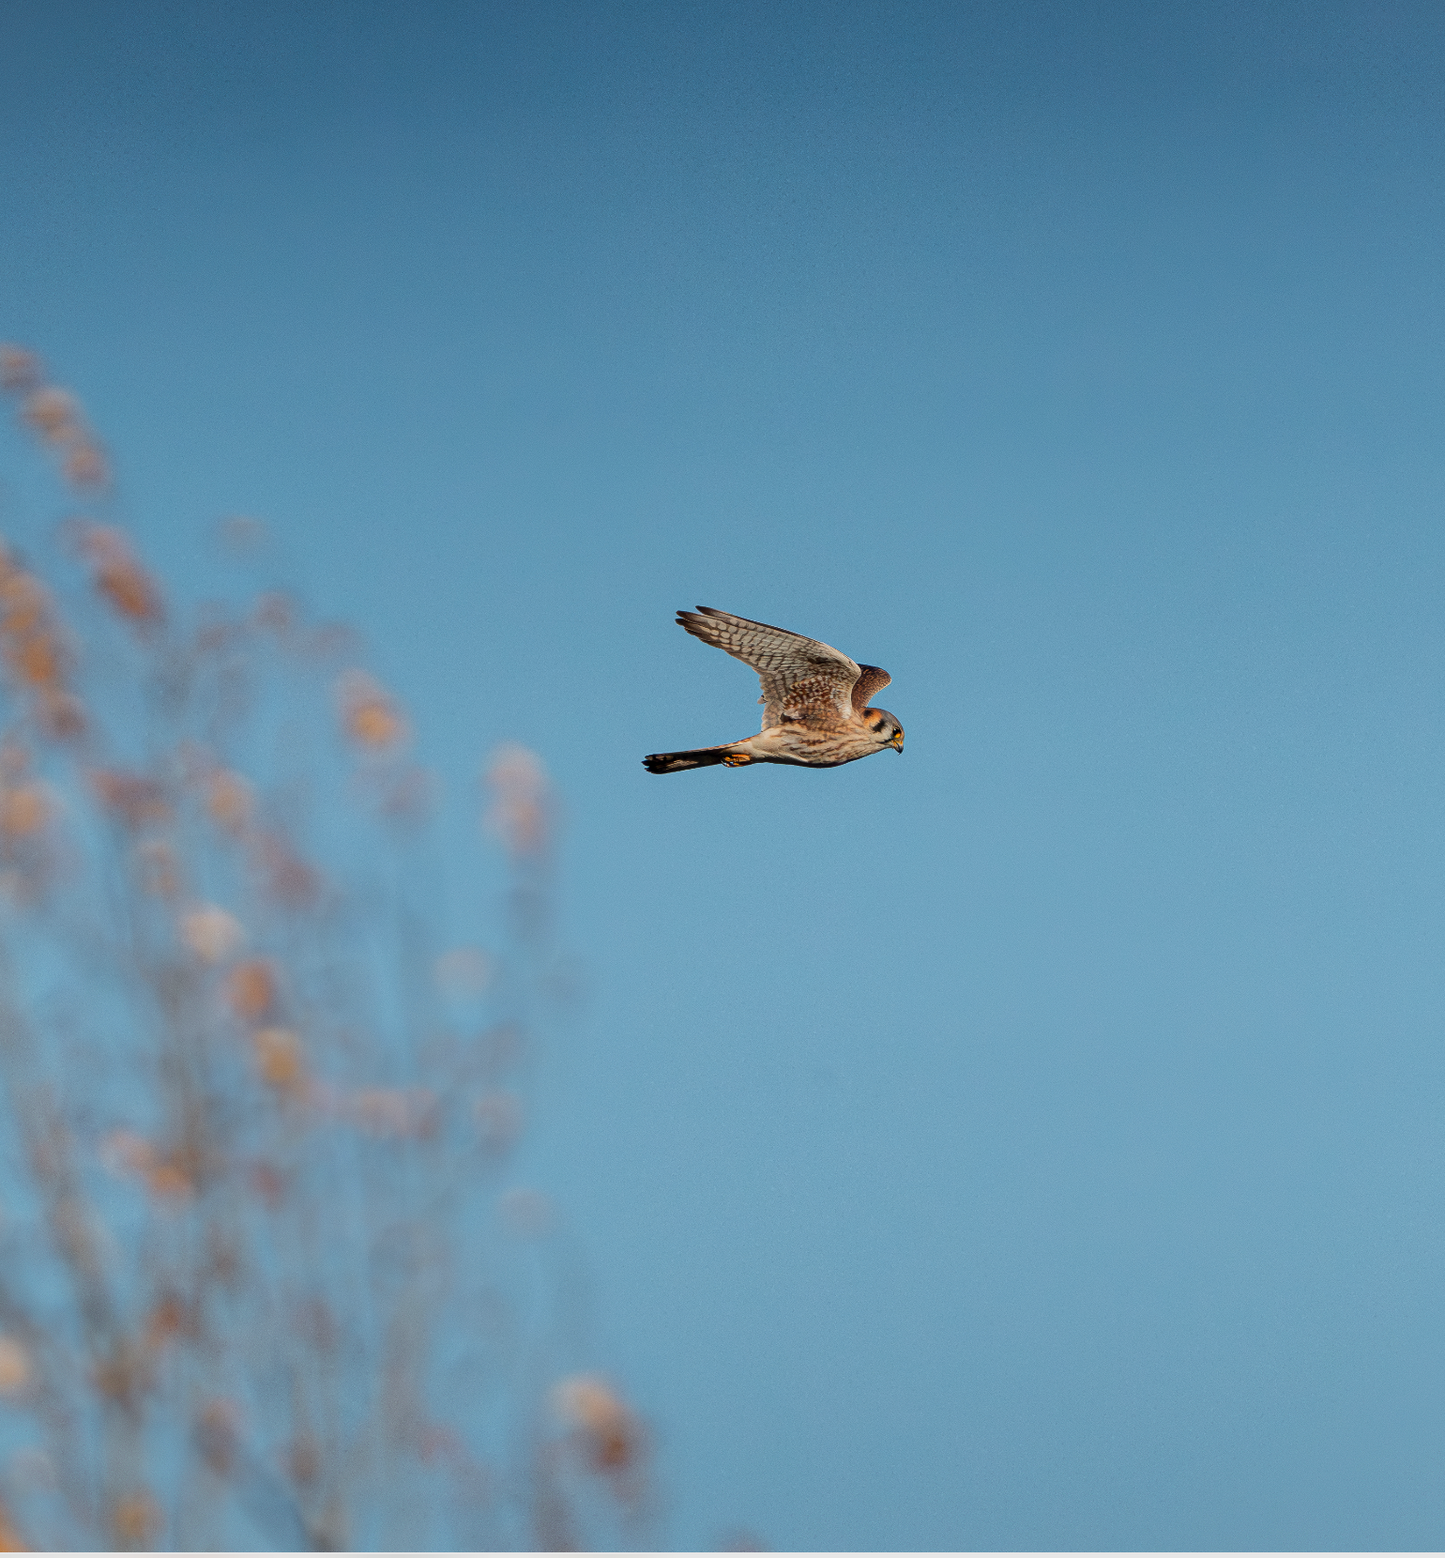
(802, 678)
(874, 679)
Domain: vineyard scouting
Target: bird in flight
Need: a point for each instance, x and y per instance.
(815, 700)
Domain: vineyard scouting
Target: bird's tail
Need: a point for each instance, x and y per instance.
(699, 757)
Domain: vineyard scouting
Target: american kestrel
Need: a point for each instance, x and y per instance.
(815, 699)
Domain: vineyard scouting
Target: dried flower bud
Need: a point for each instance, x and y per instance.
(61, 715)
(279, 1057)
(170, 1181)
(275, 611)
(158, 867)
(37, 658)
(612, 1434)
(369, 714)
(520, 814)
(86, 466)
(33, 1466)
(14, 1367)
(24, 810)
(133, 798)
(117, 574)
(135, 1520)
(303, 1461)
(19, 369)
(251, 989)
(169, 1318)
(211, 933)
(123, 1152)
(53, 414)
(285, 877)
(230, 800)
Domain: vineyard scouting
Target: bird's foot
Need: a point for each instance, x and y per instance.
(737, 759)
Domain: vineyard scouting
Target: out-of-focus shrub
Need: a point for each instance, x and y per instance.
(266, 1278)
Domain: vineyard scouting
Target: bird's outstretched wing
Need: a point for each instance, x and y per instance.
(802, 678)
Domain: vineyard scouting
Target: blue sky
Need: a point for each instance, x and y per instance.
(1034, 1141)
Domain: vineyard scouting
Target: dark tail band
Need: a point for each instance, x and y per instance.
(675, 762)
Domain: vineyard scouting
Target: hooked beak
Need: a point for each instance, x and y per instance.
(897, 742)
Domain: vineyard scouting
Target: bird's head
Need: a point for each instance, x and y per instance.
(886, 730)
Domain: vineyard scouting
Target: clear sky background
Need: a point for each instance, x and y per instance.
(1032, 1141)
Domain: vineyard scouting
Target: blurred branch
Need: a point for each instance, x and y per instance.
(267, 1275)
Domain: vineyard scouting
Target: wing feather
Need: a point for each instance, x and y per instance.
(802, 678)
(873, 679)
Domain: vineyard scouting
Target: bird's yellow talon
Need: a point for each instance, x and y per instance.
(737, 759)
